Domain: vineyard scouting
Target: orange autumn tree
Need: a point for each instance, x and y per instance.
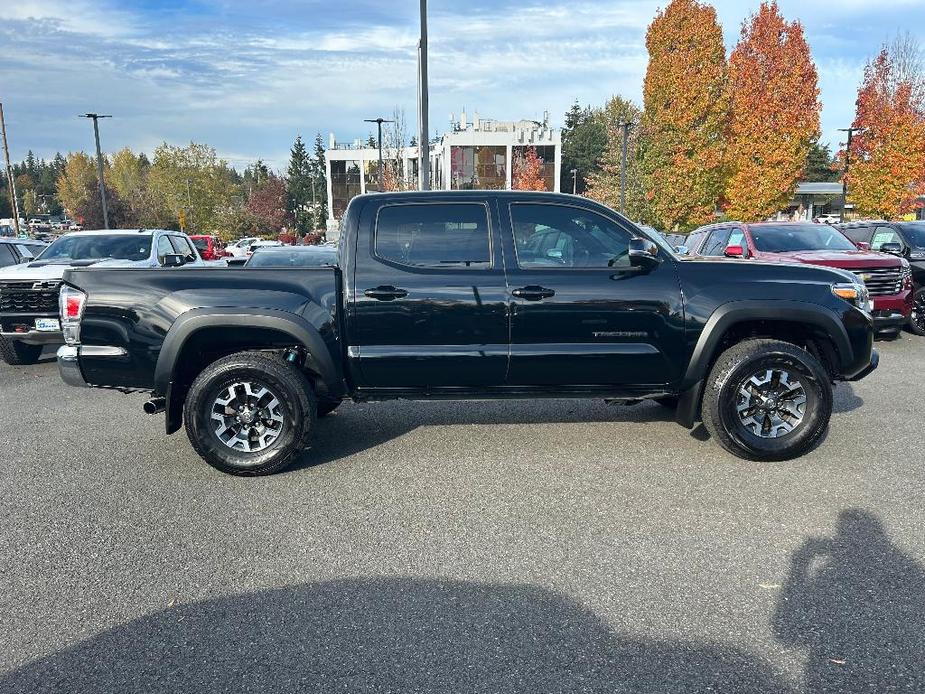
(685, 110)
(774, 114)
(527, 173)
(887, 170)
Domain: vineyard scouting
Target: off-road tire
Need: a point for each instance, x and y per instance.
(17, 353)
(285, 380)
(719, 400)
(917, 320)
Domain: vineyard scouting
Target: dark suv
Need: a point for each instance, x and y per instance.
(905, 239)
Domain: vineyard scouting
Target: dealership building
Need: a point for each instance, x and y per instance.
(474, 154)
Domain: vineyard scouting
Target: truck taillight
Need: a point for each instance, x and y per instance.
(71, 307)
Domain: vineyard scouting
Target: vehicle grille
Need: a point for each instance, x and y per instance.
(29, 297)
(881, 281)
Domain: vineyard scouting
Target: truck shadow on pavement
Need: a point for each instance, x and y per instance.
(856, 603)
(388, 634)
(353, 428)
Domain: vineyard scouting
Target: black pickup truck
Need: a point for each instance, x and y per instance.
(472, 295)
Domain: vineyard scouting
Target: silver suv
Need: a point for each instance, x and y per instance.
(29, 291)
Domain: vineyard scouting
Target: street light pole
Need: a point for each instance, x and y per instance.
(379, 121)
(844, 179)
(574, 173)
(625, 125)
(423, 129)
(14, 199)
(99, 162)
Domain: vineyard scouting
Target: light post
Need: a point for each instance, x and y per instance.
(574, 173)
(423, 97)
(625, 125)
(14, 199)
(99, 162)
(379, 122)
(844, 180)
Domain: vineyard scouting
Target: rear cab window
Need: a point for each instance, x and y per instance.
(446, 236)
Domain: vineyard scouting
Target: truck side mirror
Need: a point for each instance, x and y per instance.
(863, 246)
(173, 260)
(643, 254)
(735, 252)
(892, 248)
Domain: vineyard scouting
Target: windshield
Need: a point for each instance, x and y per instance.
(302, 258)
(771, 238)
(99, 247)
(200, 243)
(915, 231)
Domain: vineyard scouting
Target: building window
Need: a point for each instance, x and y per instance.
(546, 153)
(478, 168)
(345, 185)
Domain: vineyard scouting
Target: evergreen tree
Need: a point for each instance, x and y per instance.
(820, 163)
(584, 139)
(320, 181)
(299, 187)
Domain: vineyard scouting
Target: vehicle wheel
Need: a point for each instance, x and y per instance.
(326, 407)
(17, 353)
(669, 402)
(250, 413)
(767, 400)
(917, 319)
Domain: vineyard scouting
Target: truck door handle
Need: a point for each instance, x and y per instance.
(386, 293)
(533, 293)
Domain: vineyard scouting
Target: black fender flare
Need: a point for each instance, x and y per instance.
(729, 314)
(318, 357)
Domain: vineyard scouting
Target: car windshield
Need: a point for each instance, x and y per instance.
(915, 231)
(201, 244)
(99, 247)
(315, 257)
(783, 238)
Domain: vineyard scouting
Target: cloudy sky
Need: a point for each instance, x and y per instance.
(247, 76)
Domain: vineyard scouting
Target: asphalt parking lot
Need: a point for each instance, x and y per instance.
(537, 546)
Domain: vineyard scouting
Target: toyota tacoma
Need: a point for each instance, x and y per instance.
(472, 295)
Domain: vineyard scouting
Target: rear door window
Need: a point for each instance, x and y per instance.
(449, 236)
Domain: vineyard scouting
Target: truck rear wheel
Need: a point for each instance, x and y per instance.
(17, 353)
(250, 413)
(767, 400)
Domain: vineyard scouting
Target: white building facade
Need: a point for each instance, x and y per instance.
(474, 155)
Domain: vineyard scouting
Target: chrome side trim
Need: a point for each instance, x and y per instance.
(102, 351)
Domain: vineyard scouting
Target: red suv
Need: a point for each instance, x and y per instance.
(209, 247)
(888, 278)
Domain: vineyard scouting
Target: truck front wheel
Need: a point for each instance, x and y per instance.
(250, 413)
(767, 400)
(17, 353)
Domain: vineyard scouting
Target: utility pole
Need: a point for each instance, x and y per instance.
(625, 125)
(844, 179)
(423, 129)
(379, 121)
(14, 199)
(574, 173)
(189, 202)
(99, 162)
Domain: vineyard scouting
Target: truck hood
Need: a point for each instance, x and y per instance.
(39, 270)
(848, 260)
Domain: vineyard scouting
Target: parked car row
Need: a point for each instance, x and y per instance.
(880, 254)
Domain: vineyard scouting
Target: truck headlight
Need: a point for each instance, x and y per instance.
(856, 294)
